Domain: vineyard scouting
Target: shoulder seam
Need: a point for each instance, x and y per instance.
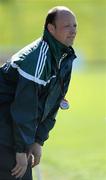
(30, 77)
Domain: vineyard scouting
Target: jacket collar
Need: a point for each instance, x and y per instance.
(58, 49)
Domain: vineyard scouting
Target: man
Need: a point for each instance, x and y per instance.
(32, 85)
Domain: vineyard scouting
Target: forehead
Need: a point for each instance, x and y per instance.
(65, 17)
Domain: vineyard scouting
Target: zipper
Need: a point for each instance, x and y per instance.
(61, 59)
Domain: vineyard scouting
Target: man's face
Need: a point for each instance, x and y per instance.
(65, 28)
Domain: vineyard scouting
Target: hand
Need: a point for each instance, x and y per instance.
(21, 165)
(36, 152)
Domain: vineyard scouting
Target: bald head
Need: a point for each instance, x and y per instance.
(60, 9)
(61, 23)
(56, 12)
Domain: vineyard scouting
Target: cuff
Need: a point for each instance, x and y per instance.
(37, 140)
(21, 149)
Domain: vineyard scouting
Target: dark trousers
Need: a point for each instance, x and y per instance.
(7, 163)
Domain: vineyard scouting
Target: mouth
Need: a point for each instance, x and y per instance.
(71, 37)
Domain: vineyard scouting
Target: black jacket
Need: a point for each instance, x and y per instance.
(32, 85)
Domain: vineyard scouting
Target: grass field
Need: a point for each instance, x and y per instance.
(76, 149)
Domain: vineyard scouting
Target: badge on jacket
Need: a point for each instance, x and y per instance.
(64, 104)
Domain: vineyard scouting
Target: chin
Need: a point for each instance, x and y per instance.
(71, 43)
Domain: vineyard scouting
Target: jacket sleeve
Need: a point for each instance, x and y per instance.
(23, 112)
(42, 133)
(44, 127)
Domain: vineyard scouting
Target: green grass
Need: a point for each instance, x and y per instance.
(76, 149)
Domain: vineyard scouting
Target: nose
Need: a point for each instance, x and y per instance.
(73, 30)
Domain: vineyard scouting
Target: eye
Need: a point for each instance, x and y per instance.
(67, 26)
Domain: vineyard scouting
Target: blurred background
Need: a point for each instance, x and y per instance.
(76, 149)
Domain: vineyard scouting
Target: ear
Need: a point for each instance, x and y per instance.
(51, 28)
